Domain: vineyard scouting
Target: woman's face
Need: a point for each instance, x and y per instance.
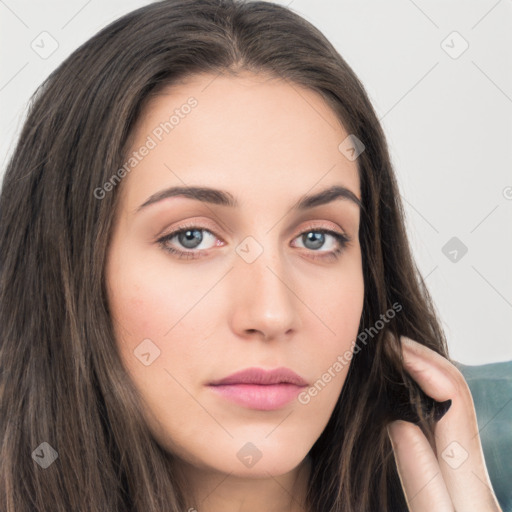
(253, 282)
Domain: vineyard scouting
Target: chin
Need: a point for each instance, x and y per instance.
(253, 459)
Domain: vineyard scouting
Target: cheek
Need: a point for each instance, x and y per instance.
(164, 314)
(138, 311)
(339, 306)
(149, 301)
(337, 309)
(142, 312)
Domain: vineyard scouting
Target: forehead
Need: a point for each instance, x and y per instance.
(247, 131)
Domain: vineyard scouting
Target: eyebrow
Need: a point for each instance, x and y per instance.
(224, 198)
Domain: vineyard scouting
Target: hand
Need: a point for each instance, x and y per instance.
(450, 476)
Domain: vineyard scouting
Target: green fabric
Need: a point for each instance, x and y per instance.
(491, 388)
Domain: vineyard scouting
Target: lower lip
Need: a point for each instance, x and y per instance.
(262, 397)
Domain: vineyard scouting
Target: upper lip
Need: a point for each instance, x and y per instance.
(263, 377)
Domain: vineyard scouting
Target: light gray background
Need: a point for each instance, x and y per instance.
(447, 116)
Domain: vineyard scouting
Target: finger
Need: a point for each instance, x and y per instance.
(458, 446)
(418, 468)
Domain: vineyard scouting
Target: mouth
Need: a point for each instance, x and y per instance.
(259, 389)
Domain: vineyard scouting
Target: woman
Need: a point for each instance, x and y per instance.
(208, 297)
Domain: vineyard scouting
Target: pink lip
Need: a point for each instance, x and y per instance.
(260, 389)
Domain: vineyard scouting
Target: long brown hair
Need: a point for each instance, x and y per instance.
(61, 379)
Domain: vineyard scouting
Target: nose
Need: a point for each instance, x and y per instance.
(264, 303)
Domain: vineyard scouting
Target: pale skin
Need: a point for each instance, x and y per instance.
(269, 145)
(452, 475)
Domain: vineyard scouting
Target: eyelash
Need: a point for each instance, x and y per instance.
(342, 239)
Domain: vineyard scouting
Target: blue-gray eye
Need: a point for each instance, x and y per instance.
(316, 237)
(190, 238)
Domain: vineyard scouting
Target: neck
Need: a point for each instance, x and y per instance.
(211, 491)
